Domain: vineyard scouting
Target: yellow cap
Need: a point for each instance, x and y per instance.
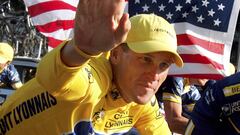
(151, 33)
(6, 53)
(231, 69)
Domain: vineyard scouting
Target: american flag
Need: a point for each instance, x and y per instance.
(205, 29)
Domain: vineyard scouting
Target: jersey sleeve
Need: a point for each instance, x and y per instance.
(172, 89)
(74, 82)
(152, 120)
(13, 74)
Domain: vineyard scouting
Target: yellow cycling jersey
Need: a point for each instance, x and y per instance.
(82, 100)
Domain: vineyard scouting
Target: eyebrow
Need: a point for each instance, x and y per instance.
(171, 59)
(149, 55)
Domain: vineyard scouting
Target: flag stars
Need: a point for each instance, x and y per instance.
(170, 1)
(154, 1)
(145, 8)
(195, 8)
(169, 15)
(221, 7)
(217, 22)
(137, 1)
(178, 7)
(200, 19)
(211, 12)
(205, 3)
(185, 14)
(161, 7)
(188, 1)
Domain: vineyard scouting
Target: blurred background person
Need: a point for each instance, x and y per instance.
(217, 111)
(177, 96)
(9, 76)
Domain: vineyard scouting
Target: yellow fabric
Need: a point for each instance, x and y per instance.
(189, 128)
(6, 53)
(231, 90)
(152, 122)
(172, 97)
(61, 98)
(17, 85)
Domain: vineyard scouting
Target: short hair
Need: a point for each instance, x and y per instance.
(125, 47)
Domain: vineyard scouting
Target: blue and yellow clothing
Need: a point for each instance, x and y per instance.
(218, 110)
(178, 90)
(82, 100)
(9, 76)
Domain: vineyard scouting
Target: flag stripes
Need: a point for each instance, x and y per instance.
(205, 50)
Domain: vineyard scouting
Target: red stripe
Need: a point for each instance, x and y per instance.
(201, 76)
(43, 7)
(56, 25)
(53, 42)
(185, 39)
(197, 58)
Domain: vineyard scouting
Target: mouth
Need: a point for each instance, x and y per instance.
(149, 85)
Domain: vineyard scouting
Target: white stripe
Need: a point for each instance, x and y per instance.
(54, 15)
(193, 68)
(199, 50)
(60, 34)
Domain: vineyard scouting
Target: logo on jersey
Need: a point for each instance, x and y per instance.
(159, 114)
(90, 76)
(119, 120)
(98, 116)
(25, 110)
(231, 108)
(231, 90)
(209, 95)
(115, 94)
(153, 101)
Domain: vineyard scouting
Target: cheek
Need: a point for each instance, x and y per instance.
(162, 77)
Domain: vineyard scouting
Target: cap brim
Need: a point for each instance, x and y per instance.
(3, 60)
(156, 46)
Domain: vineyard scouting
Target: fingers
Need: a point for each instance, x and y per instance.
(100, 16)
(101, 9)
(122, 29)
(118, 9)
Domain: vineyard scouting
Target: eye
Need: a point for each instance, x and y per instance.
(147, 59)
(164, 65)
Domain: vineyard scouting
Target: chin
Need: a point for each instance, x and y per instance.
(142, 100)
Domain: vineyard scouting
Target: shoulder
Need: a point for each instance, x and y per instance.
(230, 86)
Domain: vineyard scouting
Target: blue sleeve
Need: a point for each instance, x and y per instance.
(13, 74)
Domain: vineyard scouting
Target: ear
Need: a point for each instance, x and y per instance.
(115, 55)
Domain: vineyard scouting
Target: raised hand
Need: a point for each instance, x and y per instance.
(100, 25)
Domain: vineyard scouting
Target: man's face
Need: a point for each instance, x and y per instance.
(138, 76)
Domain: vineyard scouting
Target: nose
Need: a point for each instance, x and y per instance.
(154, 73)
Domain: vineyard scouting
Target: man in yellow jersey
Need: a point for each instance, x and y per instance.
(78, 90)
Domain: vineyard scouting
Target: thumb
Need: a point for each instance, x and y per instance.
(122, 29)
